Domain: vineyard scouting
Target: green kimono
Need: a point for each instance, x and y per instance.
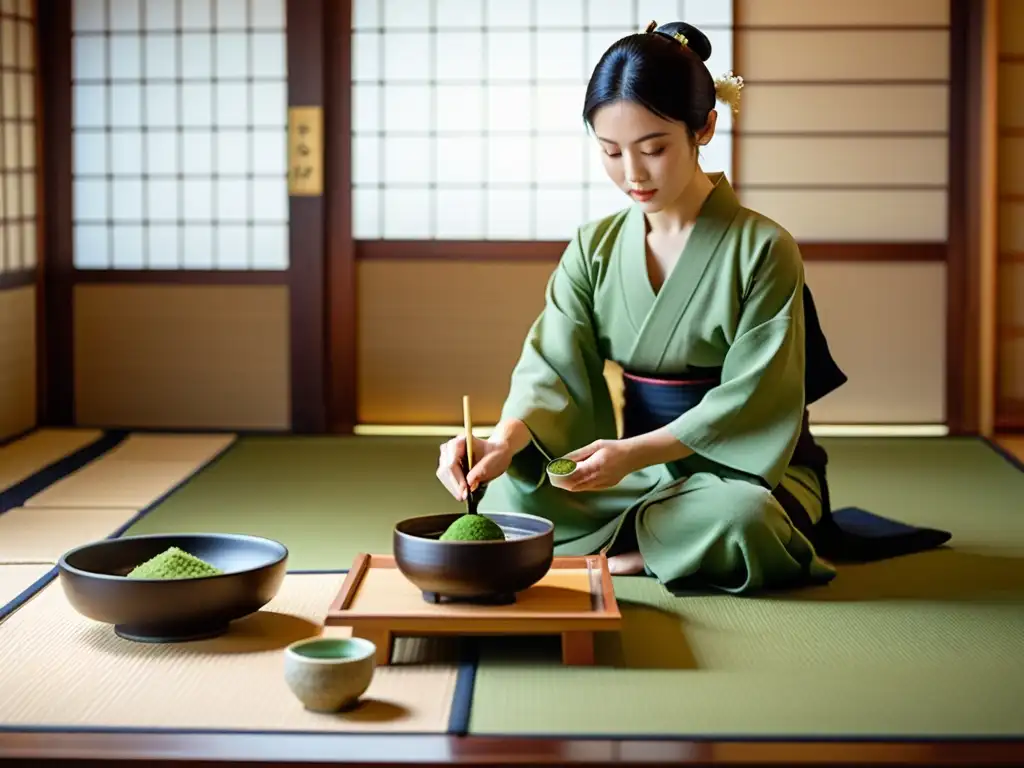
(733, 303)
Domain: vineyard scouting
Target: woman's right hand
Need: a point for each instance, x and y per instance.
(490, 460)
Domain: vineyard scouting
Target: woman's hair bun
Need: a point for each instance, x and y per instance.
(696, 40)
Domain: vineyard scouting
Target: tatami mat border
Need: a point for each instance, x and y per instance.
(171, 491)
(17, 436)
(109, 440)
(465, 679)
(458, 717)
(740, 738)
(18, 494)
(1005, 454)
(27, 594)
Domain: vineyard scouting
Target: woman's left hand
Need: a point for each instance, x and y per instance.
(600, 465)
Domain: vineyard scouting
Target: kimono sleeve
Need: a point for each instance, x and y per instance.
(557, 388)
(751, 421)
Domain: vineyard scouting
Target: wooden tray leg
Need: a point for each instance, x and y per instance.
(383, 639)
(578, 648)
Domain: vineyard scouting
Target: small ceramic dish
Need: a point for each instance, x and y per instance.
(559, 471)
(329, 674)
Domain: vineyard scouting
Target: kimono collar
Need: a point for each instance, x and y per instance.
(722, 200)
(655, 315)
(718, 211)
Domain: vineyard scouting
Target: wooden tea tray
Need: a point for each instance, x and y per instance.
(574, 600)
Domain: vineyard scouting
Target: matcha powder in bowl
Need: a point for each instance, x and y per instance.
(473, 528)
(559, 472)
(562, 467)
(174, 563)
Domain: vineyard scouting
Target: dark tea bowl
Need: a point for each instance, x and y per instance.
(474, 571)
(94, 580)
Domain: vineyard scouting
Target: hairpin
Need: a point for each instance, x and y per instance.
(727, 90)
(679, 37)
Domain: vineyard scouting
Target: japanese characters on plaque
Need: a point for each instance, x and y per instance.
(305, 151)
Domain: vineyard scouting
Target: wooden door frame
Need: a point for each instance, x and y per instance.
(340, 275)
(307, 67)
(967, 19)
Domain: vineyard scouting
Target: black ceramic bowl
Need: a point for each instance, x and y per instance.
(172, 610)
(478, 571)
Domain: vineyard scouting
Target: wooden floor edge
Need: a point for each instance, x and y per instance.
(290, 749)
(1012, 445)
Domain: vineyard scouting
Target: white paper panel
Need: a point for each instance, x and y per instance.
(844, 108)
(18, 135)
(179, 134)
(8, 44)
(460, 13)
(459, 214)
(872, 215)
(12, 234)
(29, 244)
(852, 161)
(466, 114)
(160, 15)
(796, 13)
(784, 55)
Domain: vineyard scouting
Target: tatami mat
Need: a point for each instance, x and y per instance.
(15, 579)
(786, 667)
(924, 645)
(24, 457)
(134, 474)
(43, 534)
(327, 498)
(60, 669)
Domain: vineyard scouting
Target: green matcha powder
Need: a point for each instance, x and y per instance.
(473, 528)
(562, 466)
(174, 563)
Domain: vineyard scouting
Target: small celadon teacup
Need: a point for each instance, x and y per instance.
(329, 674)
(559, 471)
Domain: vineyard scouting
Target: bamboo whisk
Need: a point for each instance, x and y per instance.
(468, 425)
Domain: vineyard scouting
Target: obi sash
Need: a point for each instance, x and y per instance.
(851, 533)
(651, 402)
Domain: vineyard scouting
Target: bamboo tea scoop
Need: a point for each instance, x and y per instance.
(471, 501)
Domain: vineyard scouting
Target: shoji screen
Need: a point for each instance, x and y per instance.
(467, 127)
(19, 215)
(179, 120)
(466, 113)
(843, 132)
(843, 137)
(17, 137)
(178, 130)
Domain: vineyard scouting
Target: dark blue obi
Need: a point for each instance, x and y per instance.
(652, 401)
(851, 533)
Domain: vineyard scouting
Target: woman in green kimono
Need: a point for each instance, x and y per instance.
(701, 301)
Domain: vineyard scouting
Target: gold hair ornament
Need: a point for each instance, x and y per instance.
(727, 87)
(727, 90)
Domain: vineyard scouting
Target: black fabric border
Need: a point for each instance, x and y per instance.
(38, 481)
